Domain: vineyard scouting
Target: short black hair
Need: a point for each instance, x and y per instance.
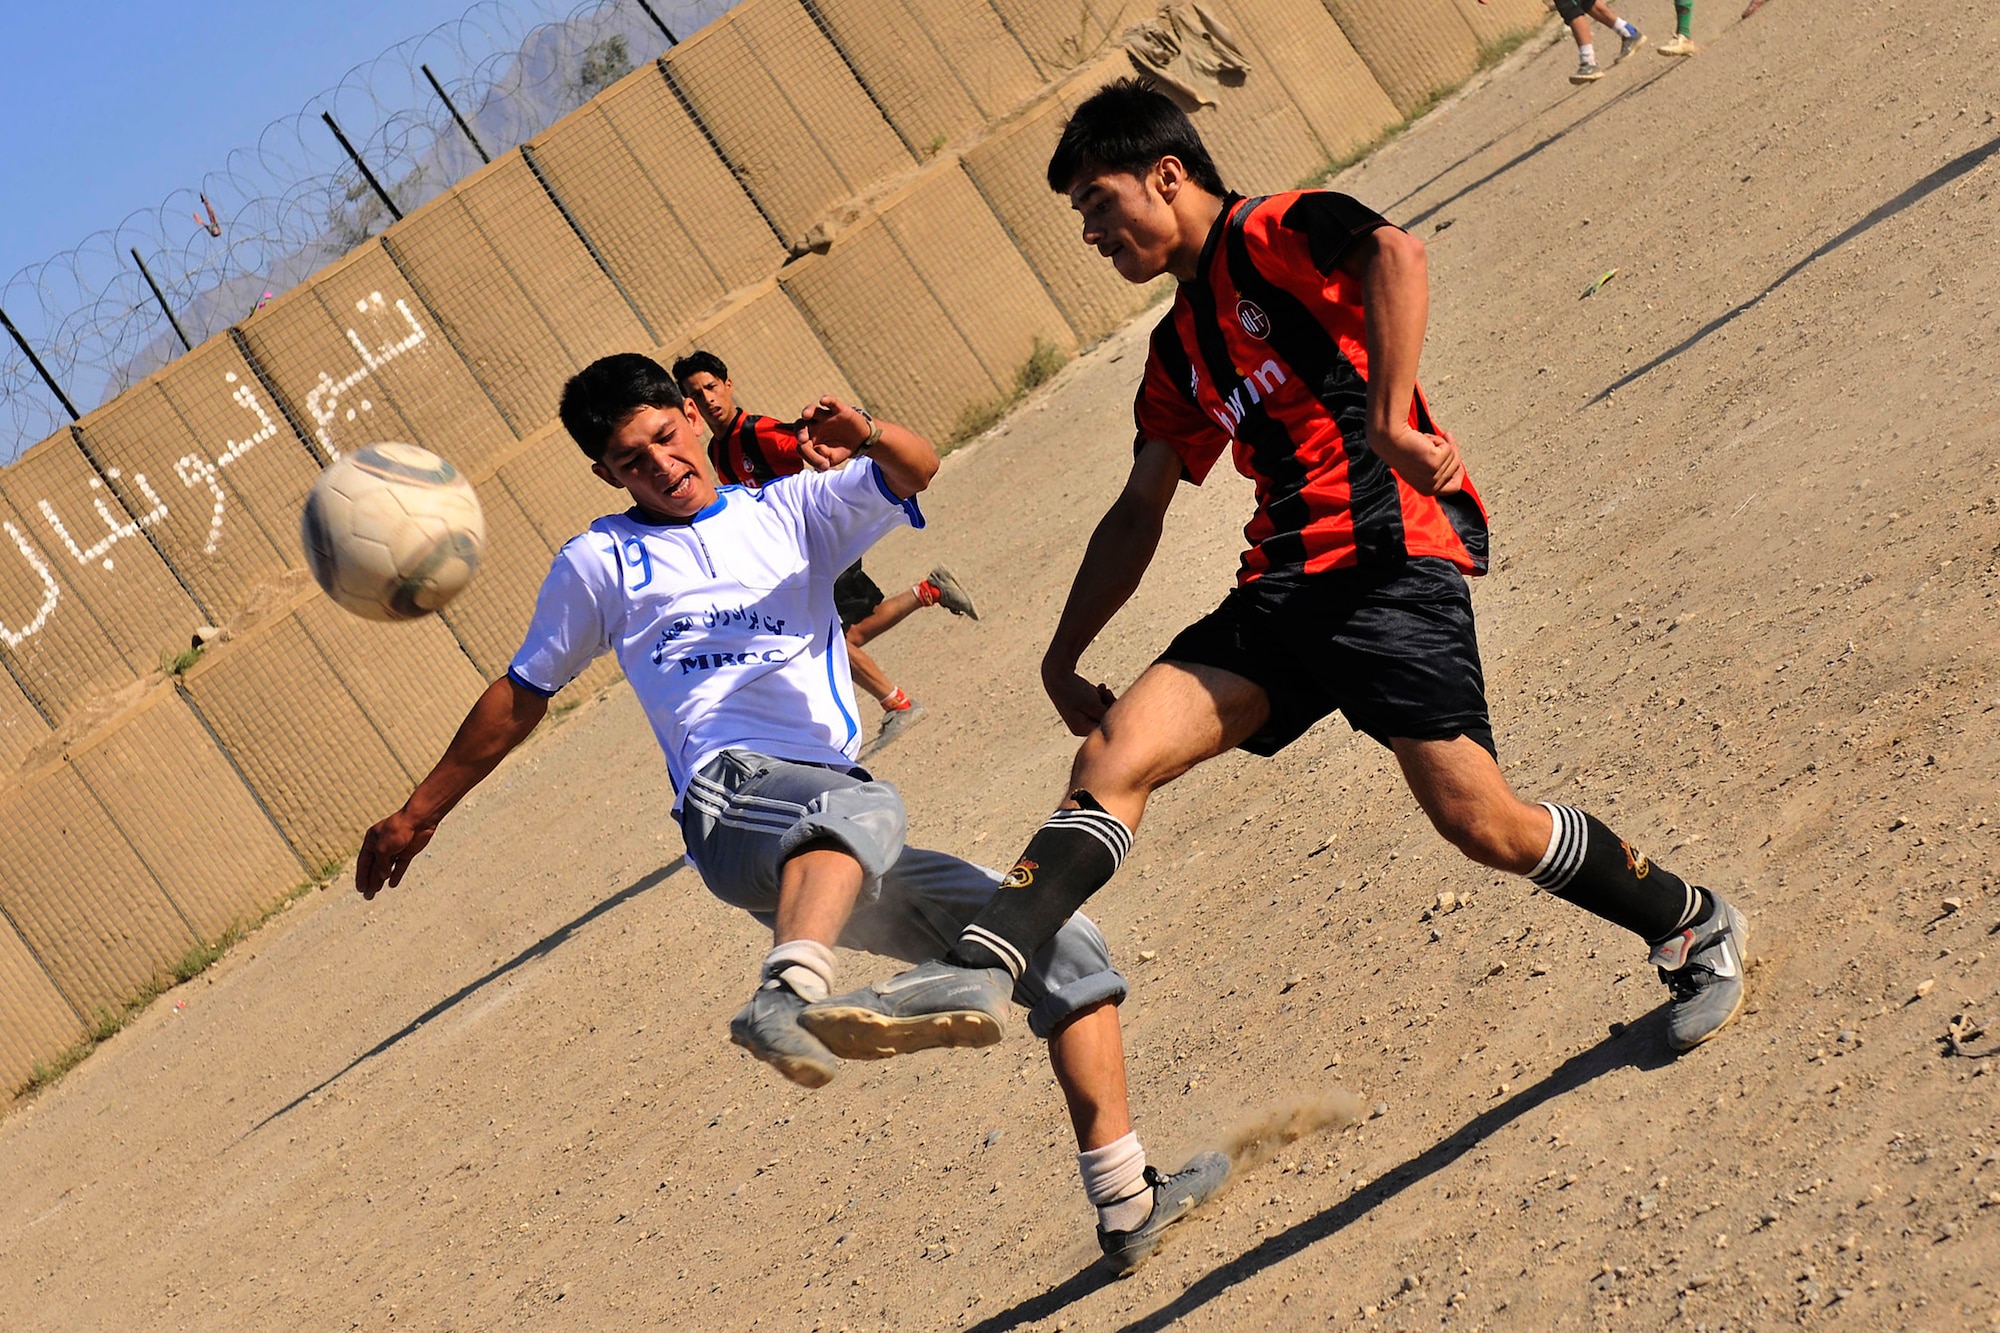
(1129, 125)
(699, 362)
(598, 399)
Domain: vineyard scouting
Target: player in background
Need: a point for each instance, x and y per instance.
(1682, 42)
(749, 450)
(1578, 14)
(1293, 343)
(719, 606)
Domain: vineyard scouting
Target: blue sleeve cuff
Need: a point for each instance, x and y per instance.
(514, 674)
(909, 506)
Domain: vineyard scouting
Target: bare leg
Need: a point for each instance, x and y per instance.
(1174, 717)
(1459, 786)
(1579, 28)
(1602, 13)
(1088, 1056)
(816, 894)
(868, 675)
(889, 612)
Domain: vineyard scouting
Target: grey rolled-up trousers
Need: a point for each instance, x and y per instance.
(744, 813)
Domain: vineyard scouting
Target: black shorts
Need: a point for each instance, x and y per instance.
(1394, 650)
(855, 595)
(1572, 10)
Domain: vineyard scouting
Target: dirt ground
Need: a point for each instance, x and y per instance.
(1746, 503)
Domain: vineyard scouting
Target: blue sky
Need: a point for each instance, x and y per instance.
(108, 107)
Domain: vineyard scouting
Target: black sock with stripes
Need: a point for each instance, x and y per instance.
(1070, 857)
(1589, 865)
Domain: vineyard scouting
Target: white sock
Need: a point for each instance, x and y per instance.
(1114, 1178)
(1625, 28)
(1585, 53)
(806, 966)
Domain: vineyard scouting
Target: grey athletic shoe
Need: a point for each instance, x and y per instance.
(1627, 45)
(1703, 967)
(893, 725)
(1174, 1197)
(1586, 72)
(932, 1004)
(952, 595)
(768, 1028)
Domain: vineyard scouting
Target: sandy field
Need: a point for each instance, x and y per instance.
(1746, 505)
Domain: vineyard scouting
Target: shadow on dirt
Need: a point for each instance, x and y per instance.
(1538, 148)
(1937, 180)
(1641, 1046)
(542, 947)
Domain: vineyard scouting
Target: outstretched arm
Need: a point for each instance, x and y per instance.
(1395, 304)
(1120, 550)
(500, 720)
(831, 432)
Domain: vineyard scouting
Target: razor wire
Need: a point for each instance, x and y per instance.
(421, 116)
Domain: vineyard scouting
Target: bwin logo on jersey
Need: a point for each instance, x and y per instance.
(1253, 319)
(1251, 390)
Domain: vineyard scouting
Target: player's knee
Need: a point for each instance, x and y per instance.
(1476, 832)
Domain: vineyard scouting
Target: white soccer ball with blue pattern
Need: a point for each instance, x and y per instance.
(392, 532)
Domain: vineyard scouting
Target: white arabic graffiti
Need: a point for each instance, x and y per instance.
(117, 532)
(50, 596)
(195, 470)
(323, 400)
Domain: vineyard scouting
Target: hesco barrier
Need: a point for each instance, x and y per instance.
(799, 187)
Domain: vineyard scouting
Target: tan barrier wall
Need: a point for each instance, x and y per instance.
(22, 728)
(661, 207)
(1495, 21)
(214, 444)
(279, 701)
(81, 896)
(551, 481)
(360, 358)
(489, 617)
(775, 361)
(1297, 43)
(1417, 48)
(112, 606)
(937, 68)
(1062, 35)
(38, 1021)
(790, 118)
(208, 844)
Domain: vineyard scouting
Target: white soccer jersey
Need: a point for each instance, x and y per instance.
(723, 623)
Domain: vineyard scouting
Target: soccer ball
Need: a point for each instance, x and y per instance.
(392, 532)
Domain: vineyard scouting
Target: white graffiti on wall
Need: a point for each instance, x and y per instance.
(323, 403)
(323, 400)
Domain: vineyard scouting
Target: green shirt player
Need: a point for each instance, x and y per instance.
(1292, 344)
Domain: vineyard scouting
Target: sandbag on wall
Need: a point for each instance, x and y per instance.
(937, 67)
(900, 348)
(1301, 46)
(650, 192)
(1415, 47)
(103, 605)
(39, 1021)
(360, 359)
(211, 848)
(216, 447)
(774, 359)
(279, 699)
(789, 117)
(80, 895)
(516, 290)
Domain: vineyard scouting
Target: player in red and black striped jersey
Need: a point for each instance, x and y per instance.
(1292, 344)
(748, 450)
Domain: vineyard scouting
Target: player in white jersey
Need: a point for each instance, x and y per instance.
(719, 606)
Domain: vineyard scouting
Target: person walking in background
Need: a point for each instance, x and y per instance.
(749, 450)
(1578, 14)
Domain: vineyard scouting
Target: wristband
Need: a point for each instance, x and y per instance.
(874, 436)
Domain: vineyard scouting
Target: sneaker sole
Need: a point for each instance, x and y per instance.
(1740, 928)
(1580, 79)
(802, 1072)
(854, 1033)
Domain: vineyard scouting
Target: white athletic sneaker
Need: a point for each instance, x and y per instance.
(1679, 45)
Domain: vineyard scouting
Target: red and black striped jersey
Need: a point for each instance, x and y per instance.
(1264, 353)
(752, 450)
